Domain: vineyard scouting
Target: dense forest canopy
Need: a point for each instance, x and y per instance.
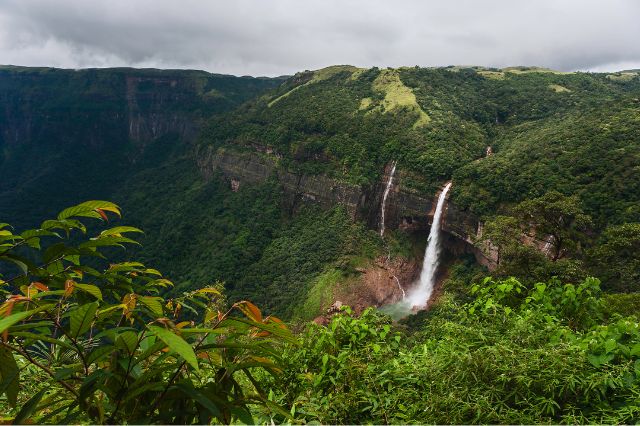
(546, 165)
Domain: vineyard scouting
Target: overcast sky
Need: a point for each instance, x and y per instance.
(275, 37)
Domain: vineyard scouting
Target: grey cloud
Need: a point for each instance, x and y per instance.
(273, 37)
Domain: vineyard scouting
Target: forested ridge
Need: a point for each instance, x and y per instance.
(205, 316)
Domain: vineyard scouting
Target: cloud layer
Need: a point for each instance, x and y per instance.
(275, 37)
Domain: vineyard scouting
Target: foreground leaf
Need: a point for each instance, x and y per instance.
(82, 318)
(176, 344)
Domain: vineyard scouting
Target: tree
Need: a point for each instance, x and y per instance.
(616, 257)
(92, 341)
(513, 257)
(557, 216)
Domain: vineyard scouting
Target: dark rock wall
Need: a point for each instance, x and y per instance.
(406, 209)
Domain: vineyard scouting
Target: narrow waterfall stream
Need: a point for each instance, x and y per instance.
(419, 296)
(384, 198)
(404, 295)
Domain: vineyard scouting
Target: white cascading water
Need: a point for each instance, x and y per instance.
(419, 296)
(404, 295)
(384, 198)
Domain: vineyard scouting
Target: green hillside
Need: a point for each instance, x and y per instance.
(90, 134)
(261, 197)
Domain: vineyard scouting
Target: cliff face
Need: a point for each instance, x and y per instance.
(151, 108)
(241, 169)
(405, 208)
(71, 135)
(107, 106)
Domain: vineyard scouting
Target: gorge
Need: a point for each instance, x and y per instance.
(335, 247)
(243, 159)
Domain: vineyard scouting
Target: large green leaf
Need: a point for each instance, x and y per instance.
(24, 264)
(99, 353)
(82, 318)
(91, 289)
(42, 338)
(58, 251)
(177, 344)
(107, 241)
(120, 230)
(28, 408)
(9, 376)
(127, 341)
(154, 304)
(7, 322)
(89, 209)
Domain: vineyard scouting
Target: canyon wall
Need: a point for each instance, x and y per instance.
(406, 209)
(71, 135)
(110, 107)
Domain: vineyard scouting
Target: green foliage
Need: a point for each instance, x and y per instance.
(83, 132)
(320, 295)
(89, 133)
(106, 347)
(591, 153)
(559, 217)
(616, 257)
(216, 234)
(320, 127)
(332, 377)
(623, 304)
(544, 238)
(512, 355)
(575, 306)
(287, 270)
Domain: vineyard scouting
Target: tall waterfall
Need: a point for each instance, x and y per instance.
(384, 198)
(419, 296)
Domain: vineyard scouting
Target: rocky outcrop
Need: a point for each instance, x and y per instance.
(406, 208)
(380, 283)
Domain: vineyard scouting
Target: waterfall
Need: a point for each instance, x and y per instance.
(547, 246)
(384, 198)
(420, 295)
(404, 295)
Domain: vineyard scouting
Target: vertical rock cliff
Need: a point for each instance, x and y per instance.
(71, 135)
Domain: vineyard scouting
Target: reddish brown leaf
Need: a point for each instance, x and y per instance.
(250, 310)
(40, 286)
(7, 312)
(103, 214)
(69, 285)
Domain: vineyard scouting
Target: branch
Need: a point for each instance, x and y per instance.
(42, 367)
